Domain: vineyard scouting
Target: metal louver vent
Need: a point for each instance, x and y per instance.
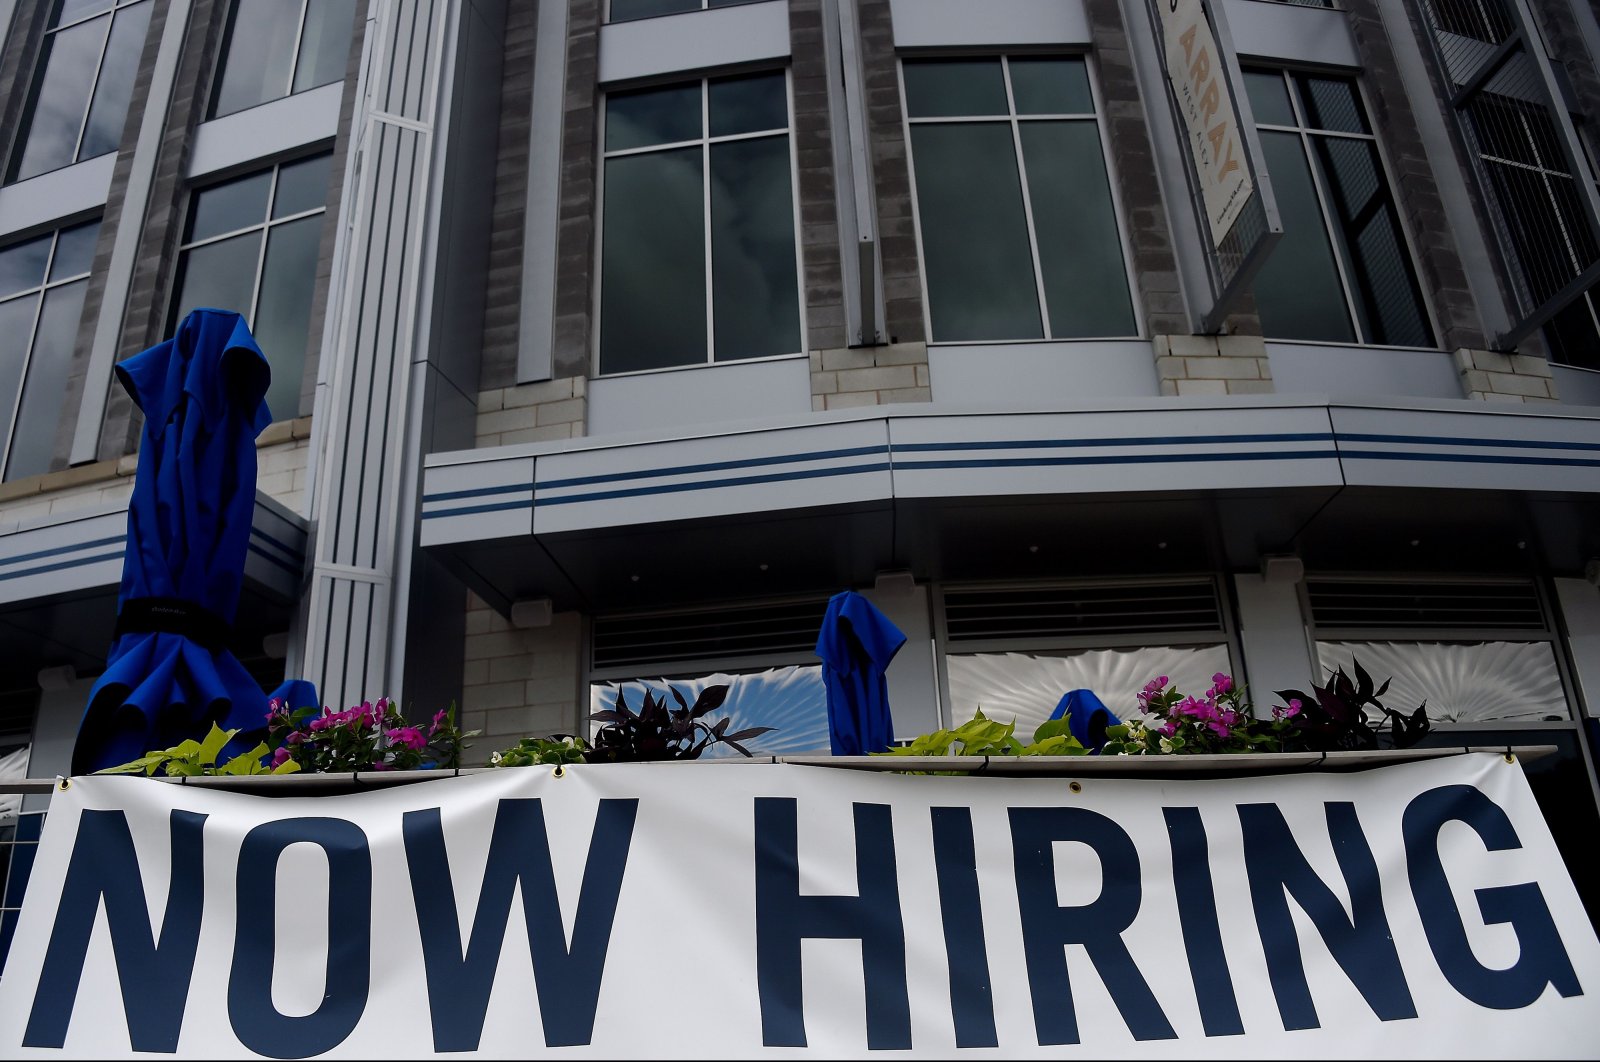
(725, 633)
(1341, 605)
(1079, 610)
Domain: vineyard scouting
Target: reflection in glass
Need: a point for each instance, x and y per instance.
(792, 699)
(22, 266)
(229, 207)
(1080, 252)
(1463, 682)
(219, 275)
(1298, 292)
(752, 249)
(109, 112)
(260, 53)
(34, 440)
(748, 104)
(1332, 103)
(74, 251)
(324, 43)
(71, 11)
(1373, 248)
(950, 88)
(1026, 687)
(627, 10)
(282, 324)
(1269, 98)
(974, 233)
(16, 325)
(1051, 86)
(652, 116)
(653, 281)
(302, 185)
(62, 96)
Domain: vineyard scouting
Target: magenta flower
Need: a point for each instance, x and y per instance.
(1168, 730)
(279, 757)
(294, 738)
(1290, 712)
(1221, 683)
(408, 737)
(441, 720)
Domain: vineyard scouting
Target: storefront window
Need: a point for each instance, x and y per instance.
(792, 700)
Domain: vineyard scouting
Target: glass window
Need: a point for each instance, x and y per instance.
(1342, 271)
(628, 10)
(1462, 682)
(250, 245)
(42, 284)
(698, 253)
(279, 47)
(81, 87)
(1018, 231)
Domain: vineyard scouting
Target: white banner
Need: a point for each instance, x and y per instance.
(1194, 67)
(725, 911)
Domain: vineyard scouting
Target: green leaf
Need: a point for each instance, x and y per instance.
(212, 745)
(246, 763)
(286, 767)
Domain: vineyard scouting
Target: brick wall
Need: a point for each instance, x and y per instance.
(540, 412)
(520, 683)
(1488, 376)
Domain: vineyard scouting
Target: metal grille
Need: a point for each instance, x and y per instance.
(1379, 605)
(1524, 154)
(761, 631)
(1073, 611)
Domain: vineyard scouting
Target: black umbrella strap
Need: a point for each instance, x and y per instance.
(172, 615)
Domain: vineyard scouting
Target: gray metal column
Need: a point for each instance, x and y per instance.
(364, 451)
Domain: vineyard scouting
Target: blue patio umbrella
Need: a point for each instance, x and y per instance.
(856, 644)
(1087, 717)
(170, 674)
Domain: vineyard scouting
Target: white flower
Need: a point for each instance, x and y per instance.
(1166, 744)
(494, 761)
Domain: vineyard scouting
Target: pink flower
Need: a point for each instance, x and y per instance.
(1290, 712)
(1220, 729)
(1221, 683)
(279, 757)
(1168, 730)
(294, 738)
(407, 736)
(319, 725)
(441, 720)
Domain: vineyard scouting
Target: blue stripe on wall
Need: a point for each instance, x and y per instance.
(57, 551)
(79, 563)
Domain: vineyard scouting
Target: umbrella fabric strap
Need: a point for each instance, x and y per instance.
(173, 615)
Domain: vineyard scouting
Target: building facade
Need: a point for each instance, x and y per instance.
(609, 339)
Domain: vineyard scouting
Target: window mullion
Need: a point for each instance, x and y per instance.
(1334, 242)
(1027, 202)
(705, 191)
(261, 252)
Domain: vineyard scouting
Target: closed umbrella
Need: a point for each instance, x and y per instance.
(856, 644)
(170, 674)
(1087, 717)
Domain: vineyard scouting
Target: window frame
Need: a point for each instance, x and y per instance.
(1285, 74)
(225, 46)
(705, 140)
(265, 227)
(1548, 634)
(705, 5)
(36, 84)
(45, 286)
(1091, 71)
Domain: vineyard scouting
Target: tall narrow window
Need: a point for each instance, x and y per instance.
(276, 48)
(1342, 271)
(42, 283)
(1019, 234)
(698, 254)
(250, 245)
(628, 10)
(82, 84)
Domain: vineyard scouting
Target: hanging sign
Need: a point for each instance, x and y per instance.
(727, 911)
(1194, 68)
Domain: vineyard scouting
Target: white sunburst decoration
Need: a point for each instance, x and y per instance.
(1025, 687)
(1463, 682)
(793, 700)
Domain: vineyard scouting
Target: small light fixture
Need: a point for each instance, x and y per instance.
(898, 582)
(634, 578)
(55, 679)
(1033, 549)
(762, 566)
(1416, 542)
(1161, 545)
(534, 612)
(1282, 568)
(276, 645)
